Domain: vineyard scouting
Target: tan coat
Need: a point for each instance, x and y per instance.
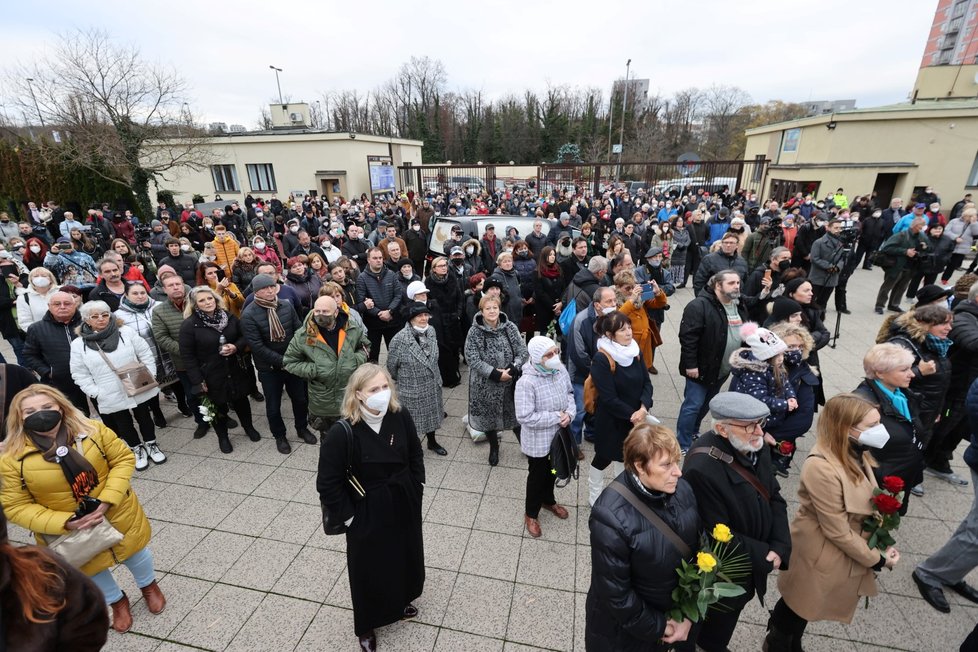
(46, 504)
(831, 563)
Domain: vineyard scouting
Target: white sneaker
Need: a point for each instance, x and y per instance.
(142, 460)
(155, 453)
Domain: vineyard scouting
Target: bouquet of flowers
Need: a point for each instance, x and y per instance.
(718, 572)
(207, 409)
(887, 502)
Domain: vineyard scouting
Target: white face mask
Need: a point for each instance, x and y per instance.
(294, 229)
(553, 362)
(41, 282)
(420, 329)
(260, 246)
(416, 227)
(35, 249)
(470, 250)
(185, 247)
(379, 401)
(875, 437)
(608, 310)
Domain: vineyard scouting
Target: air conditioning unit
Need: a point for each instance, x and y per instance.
(295, 117)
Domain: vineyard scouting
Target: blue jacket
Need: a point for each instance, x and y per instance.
(581, 345)
(717, 229)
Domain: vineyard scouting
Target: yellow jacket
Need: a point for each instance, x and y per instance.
(46, 503)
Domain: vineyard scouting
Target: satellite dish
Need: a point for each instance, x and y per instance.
(688, 164)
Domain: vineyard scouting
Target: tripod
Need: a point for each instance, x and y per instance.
(842, 262)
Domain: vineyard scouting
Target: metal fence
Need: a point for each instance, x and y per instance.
(591, 178)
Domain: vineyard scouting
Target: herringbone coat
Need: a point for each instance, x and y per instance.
(492, 405)
(412, 360)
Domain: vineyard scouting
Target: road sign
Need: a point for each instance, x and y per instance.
(616, 149)
(688, 164)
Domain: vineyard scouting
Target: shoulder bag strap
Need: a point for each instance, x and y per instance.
(728, 459)
(350, 477)
(106, 358)
(653, 518)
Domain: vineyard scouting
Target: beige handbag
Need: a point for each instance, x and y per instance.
(79, 547)
(135, 376)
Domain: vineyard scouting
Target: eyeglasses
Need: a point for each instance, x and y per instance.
(100, 315)
(750, 427)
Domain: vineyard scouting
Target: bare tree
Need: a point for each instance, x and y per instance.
(126, 119)
(723, 119)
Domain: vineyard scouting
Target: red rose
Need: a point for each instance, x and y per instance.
(887, 504)
(893, 484)
(786, 448)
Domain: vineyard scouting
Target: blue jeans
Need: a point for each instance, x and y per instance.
(696, 402)
(17, 344)
(273, 382)
(141, 567)
(577, 425)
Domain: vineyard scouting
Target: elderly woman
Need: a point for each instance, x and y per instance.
(102, 347)
(384, 544)
(832, 565)
(412, 361)
(305, 283)
(495, 352)
(62, 472)
(624, 391)
(889, 371)
(32, 302)
(645, 332)
(507, 278)
(212, 346)
(211, 275)
(445, 295)
(544, 404)
(633, 563)
(924, 332)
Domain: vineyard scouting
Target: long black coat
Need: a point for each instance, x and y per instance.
(703, 336)
(620, 393)
(384, 545)
(633, 567)
(932, 388)
(228, 377)
(723, 496)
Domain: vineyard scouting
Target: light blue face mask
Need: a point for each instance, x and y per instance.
(543, 369)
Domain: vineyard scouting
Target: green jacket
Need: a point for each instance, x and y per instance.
(166, 331)
(311, 359)
(897, 245)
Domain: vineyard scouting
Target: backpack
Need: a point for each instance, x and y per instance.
(591, 392)
(563, 458)
(566, 319)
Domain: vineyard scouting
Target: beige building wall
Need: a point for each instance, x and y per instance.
(946, 82)
(328, 163)
(932, 144)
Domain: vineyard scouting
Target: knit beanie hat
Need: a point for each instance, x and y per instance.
(763, 343)
(538, 346)
(783, 308)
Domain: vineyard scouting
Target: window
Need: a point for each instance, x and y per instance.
(261, 176)
(790, 138)
(225, 178)
(973, 175)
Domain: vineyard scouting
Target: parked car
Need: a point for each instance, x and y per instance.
(474, 226)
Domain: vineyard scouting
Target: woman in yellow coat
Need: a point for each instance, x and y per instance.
(645, 332)
(832, 565)
(49, 441)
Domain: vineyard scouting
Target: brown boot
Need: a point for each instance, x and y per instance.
(121, 615)
(532, 526)
(155, 600)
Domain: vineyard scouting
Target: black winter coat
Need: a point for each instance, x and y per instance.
(8, 302)
(620, 393)
(184, 265)
(513, 306)
(964, 351)
(933, 387)
(547, 292)
(356, 250)
(939, 252)
(254, 322)
(47, 350)
(703, 336)
(101, 292)
(723, 496)
(386, 292)
(716, 262)
(633, 567)
(228, 377)
(903, 454)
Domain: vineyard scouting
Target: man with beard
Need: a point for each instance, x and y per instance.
(826, 258)
(730, 471)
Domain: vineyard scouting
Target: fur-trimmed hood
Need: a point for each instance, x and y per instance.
(744, 359)
(907, 324)
(475, 243)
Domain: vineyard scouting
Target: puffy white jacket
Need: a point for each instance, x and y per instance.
(31, 306)
(96, 379)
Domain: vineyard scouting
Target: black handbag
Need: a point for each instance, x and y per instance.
(356, 489)
(563, 457)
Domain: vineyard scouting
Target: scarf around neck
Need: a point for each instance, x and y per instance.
(218, 321)
(106, 339)
(938, 345)
(622, 355)
(81, 475)
(136, 307)
(897, 398)
(549, 271)
(276, 332)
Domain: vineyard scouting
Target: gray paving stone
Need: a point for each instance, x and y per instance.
(192, 505)
(182, 595)
(173, 543)
(444, 545)
(261, 565)
(277, 624)
(213, 556)
(218, 617)
(252, 515)
(479, 605)
(312, 574)
(542, 617)
(492, 555)
(547, 564)
(503, 515)
(452, 641)
(454, 508)
(331, 629)
(295, 523)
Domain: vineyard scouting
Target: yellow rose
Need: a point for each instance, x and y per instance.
(705, 561)
(721, 533)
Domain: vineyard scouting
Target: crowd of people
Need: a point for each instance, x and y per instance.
(113, 316)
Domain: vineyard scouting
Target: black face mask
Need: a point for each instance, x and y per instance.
(42, 421)
(784, 265)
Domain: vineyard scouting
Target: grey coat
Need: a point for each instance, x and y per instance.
(825, 255)
(491, 401)
(412, 360)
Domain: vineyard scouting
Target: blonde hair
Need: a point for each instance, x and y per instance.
(787, 329)
(840, 414)
(351, 407)
(192, 299)
(487, 299)
(647, 442)
(883, 358)
(74, 421)
(330, 288)
(45, 272)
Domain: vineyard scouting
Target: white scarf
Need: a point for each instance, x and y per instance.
(371, 419)
(623, 355)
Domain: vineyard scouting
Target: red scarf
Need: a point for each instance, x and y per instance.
(550, 271)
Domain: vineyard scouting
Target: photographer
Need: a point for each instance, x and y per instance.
(898, 253)
(154, 239)
(760, 243)
(827, 262)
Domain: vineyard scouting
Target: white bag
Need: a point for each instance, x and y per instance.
(476, 435)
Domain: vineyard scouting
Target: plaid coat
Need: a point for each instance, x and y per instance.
(540, 398)
(412, 360)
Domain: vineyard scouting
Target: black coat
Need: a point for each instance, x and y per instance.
(384, 545)
(8, 302)
(228, 377)
(903, 453)
(547, 292)
(964, 351)
(703, 336)
(386, 292)
(633, 567)
(47, 351)
(620, 393)
(101, 292)
(15, 378)
(185, 265)
(254, 322)
(933, 387)
(723, 496)
(717, 262)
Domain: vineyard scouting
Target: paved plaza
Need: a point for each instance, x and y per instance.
(242, 558)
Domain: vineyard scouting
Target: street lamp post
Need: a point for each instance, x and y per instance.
(34, 97)
(624, 104)
(278, 83)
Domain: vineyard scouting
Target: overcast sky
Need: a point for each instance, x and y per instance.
(793, 50)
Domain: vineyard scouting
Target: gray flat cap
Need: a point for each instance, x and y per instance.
(734, 405)
(262, 281)
(653, 251)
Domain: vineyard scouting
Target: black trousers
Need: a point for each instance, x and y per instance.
(915, 283)
(952, 266)
(786, 620)
(241, 407)
(375, 332)
(864, 254)
(539, 485)
(822, 295)
(121, 423)
(950, 431)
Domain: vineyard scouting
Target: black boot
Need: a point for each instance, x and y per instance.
(282, 445)
(253, 434)
(434, 445)
(493, 439)
(778, 641)
(201, 430)
(223, 442)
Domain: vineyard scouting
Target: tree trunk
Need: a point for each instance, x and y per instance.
(140, 189)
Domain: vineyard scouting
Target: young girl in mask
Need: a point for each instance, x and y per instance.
(803, 379)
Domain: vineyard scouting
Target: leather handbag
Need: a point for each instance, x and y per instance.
(356, 490)
(135, 376)
(79, 547)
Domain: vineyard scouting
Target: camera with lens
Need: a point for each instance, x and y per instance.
(143, 232)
